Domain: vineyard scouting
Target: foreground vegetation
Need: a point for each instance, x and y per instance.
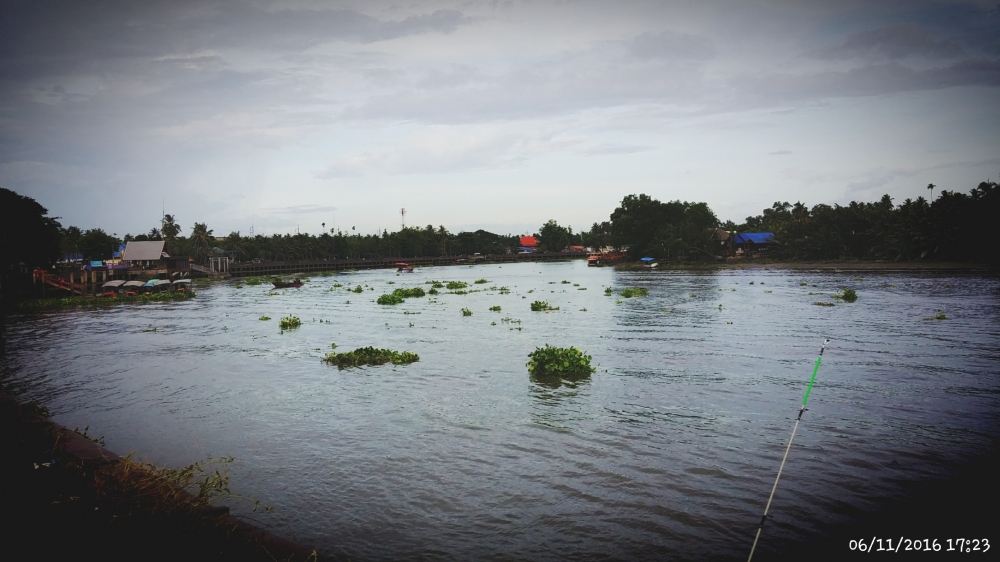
(559, 363)
(369, 356)
(102, 302)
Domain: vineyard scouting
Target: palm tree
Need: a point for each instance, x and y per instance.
(201, 239)
(170, 229)
(931, 187)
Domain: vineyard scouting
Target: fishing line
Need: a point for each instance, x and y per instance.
(795, 428)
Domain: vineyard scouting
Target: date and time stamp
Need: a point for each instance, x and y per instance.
(906, 544)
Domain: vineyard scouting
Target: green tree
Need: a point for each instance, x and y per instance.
(169, 228)
(95, 244)
(27, 235)
(201, 241)
(554, 238)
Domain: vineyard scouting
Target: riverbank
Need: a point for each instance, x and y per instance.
(67, 497)
(835, 266)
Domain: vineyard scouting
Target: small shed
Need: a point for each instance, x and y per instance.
(752, 243)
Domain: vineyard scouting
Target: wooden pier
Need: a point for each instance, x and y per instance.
(305, 266)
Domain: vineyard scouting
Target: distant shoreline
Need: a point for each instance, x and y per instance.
(846, 265)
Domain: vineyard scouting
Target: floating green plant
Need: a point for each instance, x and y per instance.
(495, 308)
(565, 282)
(101, 302)
(848, 295)
(437, 285)
(820, 303)
(391, 298)
(480, 281)
(264, 317)
(608, 292)
(940, 315)
(433, 291)
(542, 306)
(504, 290)
(466, 312)
(357, 289)
(453, 285)
(390, 282)
(370, 356)
(289, 322)
(459, 292)
(581, 288)
(252, 281)
(559, 363)
(630, 292)
(407, 293)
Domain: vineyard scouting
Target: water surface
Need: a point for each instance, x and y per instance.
(668, 451)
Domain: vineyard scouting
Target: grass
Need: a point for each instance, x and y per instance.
(630, 292)
(542, 306)
(289, 322)
(559, 363)
(466, 312)
(370, 356)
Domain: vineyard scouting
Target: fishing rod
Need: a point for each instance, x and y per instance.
(795, 428)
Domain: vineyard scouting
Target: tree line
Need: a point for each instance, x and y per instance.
(952, 226)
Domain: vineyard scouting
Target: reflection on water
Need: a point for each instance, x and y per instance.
(667, 451)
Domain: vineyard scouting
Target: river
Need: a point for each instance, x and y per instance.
(668, 451)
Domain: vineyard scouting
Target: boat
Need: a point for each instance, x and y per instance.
(404, 266)
(281, 284)
(649, 263)
(111, 288)
(605, 258)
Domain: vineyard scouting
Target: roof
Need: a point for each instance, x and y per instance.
(143, 251)
(753, 238)
(528, 241)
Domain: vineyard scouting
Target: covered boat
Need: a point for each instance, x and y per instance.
(111, 288)
(404, 266)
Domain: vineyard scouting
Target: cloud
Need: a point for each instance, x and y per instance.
(307, 209)
(671, 45)
(870, 80)
(600, 149)
(447, 149)
(894, 42)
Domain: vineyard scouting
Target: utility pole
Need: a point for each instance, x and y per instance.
(402, 214)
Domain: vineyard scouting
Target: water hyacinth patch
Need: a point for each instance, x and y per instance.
(357, 289)
(454, 285)
(504, 290)
(608, 292)
(466, 312)
(370, 356)
(559, 363)
(495, 308)
(289, 322)
(407, 293)
(630, 292)
(433, 291)
(264, 317)
(542, 306)
(848, 295)
(480, 281)
(390, 299)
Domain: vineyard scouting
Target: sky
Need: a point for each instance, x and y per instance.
(272, 117)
